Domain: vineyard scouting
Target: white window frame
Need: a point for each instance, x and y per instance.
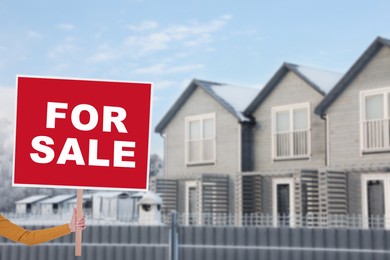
(275, 183)
(365, 178)
(291, 109)
(200, 118)
(188, 186)
(363, 94)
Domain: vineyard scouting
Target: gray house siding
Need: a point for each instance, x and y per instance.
(344, 114)
(354, 193)
(290, 90)
(227, 143)
(227, 135)
(344, 128)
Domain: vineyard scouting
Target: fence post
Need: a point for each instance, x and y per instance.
(174, 238)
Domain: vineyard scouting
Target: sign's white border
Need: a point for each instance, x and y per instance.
(80, 187)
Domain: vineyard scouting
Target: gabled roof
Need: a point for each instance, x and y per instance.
(86, 197)
(351, 74)
(109, 194)
(233, 98)
(31, 199)
(320, 80)
(57, 199)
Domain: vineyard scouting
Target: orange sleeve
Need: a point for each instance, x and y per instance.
(18, 234)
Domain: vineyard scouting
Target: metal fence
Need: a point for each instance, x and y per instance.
(209, 243)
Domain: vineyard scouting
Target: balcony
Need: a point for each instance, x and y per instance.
(375, 135)
(292, 144)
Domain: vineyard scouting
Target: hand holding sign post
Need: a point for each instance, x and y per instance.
(78, 134)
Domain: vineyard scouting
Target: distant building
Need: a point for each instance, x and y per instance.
(87, 204)
(112, 205)
(29, 205)
(54, 204)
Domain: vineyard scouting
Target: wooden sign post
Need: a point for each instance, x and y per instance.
(79, 233)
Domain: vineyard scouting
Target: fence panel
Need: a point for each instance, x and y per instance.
(211, 243)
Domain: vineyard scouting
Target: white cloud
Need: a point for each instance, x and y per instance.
(149, 43)
(64, 48)
(33, 34)
(194, 34)
(143, 26)
(149, 37)
(104, 53)
(160, 69)
(164, 84)
(66, 26)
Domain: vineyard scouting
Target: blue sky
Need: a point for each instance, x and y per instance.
(171, 42)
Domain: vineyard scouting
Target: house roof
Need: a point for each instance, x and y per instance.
(320, 80)
(356, 68)
(31, 199)
(57, 199)
(109, 194)
(233, 98)
(86, 197)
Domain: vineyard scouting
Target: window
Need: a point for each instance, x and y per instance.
(200, 139)
(291, 131)
(375, 117)
(376, 200)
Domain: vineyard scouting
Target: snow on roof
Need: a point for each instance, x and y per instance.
(31, 199)
(138, 194)
(324, 79)
(108, 194)
(150, 198)
(235, 97)
(57, 199)
(85, 197)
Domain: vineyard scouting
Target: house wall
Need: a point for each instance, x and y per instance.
(226, 133)
(21, 208)
(290, 90)
(344, 114)
(227, 142)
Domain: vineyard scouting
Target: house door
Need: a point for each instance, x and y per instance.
(376, 200)
(190, 202)
(283, 202)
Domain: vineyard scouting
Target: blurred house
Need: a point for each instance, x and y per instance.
(112, 205)
(87, 204)
(29, 205)
(207, 139)
(311, 142)
(54, 204)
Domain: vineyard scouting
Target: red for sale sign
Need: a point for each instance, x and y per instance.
(76, 133)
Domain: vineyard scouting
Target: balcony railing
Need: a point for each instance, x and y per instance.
(376, 135)
(201, 151)
(292, 144)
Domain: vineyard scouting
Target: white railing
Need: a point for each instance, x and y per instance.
(221, 219)
(199, 151)
(268, 220)
(376, 135)
(292, 144)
